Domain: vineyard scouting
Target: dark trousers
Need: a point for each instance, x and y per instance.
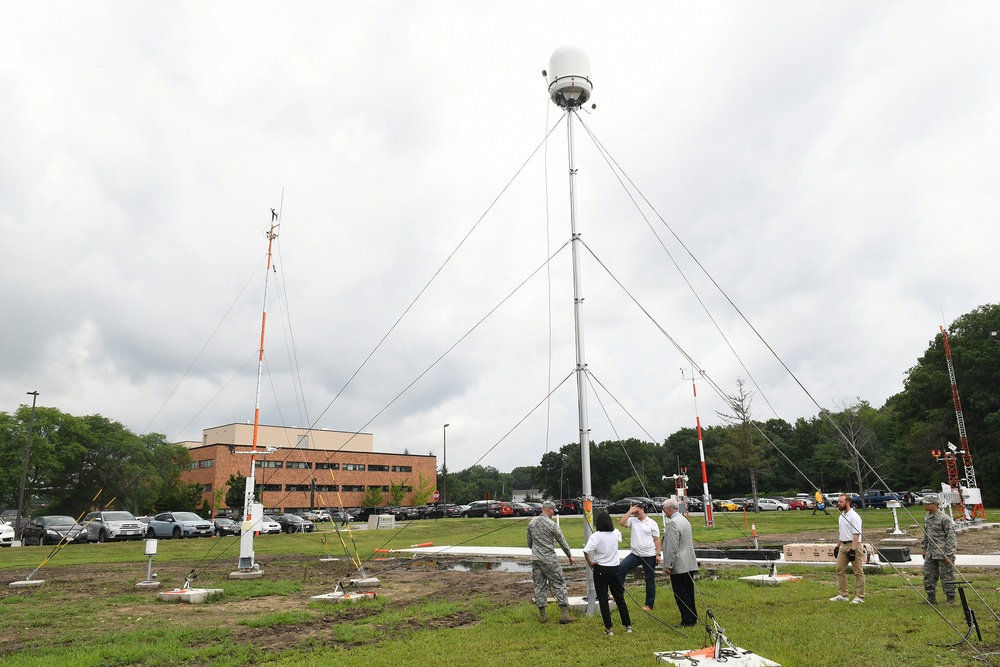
(648, 564)
(683, 585)
(606, 577)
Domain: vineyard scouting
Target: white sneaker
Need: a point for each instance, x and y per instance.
(839, 598)
(856, 601)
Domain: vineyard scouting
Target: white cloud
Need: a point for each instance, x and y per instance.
(831, 166)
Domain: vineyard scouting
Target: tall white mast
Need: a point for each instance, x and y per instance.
(569, 88)
(251, 510)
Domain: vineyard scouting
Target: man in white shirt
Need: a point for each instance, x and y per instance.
(851, 549)
(644, 542)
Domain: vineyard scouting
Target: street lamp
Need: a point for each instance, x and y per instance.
(444, 468)
(24, 471)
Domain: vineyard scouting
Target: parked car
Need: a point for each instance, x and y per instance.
(797, 504)
(365, 512)
(771, 505)
(621, 506)
(53, 529)
(569, 506)
(321, 515)
(478, 508)
(6, 533)
(293, 523)
(723, 505)
(266, 525)
(226, 526)
(342, 517)
(524, 509)
(694, 504)
(113, 525)
(500, 509)
(743, 503)
(808, 498)
(179, 525)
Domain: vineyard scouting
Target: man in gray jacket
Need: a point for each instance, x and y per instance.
(939, 546)
(679, 561)
(543, 533)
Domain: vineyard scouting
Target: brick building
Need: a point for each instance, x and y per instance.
(304, 469)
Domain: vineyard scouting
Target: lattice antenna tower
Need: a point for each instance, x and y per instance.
(977, 509)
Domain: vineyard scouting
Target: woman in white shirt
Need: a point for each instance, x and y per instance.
(601, 553)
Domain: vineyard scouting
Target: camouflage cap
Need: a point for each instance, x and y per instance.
(931, 499)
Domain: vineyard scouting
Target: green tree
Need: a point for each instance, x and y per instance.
(236, 490)
(397, 492)
(425, 488)
(374, 497)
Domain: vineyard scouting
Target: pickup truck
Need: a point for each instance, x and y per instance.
(878, 498)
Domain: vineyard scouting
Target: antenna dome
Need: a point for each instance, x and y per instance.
(569, 77)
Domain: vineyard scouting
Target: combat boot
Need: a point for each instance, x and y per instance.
(950, 600)
(931, 599)
(564, 617)
(542, 617)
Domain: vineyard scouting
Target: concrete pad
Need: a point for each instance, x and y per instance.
(246, 574)
(190, 595)
(28, 583)
(147, 584)
(769, 580)
(340, 596)
(330, 560)
(579, 604)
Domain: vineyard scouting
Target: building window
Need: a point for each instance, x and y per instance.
(297, 487)
(353, 487)
(402, 468)
(301, 465)
(206, 463)
(374, 468)
(271, 487)
(354, 466)
(326, 488)
(206, 488)
(378, 487)
(327, 466)
(269, 464)
(191, 466)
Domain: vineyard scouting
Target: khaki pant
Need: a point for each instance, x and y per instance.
(859, 570)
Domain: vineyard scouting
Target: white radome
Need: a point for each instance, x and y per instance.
(569, 76)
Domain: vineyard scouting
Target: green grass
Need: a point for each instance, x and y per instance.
(793, 624)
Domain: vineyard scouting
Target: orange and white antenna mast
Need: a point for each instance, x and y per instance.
(247, 566)
(707, 498)
(976, 502)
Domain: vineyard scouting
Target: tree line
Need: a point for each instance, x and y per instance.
(81, 462)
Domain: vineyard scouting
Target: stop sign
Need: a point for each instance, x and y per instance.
(435, 496)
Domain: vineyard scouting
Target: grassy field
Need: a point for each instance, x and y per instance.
(88, 613)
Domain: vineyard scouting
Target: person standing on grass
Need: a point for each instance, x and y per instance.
(939, 547)
(820, 503)
(850, 549)
(601, 553)
(679, 561)
(645, 544)
(543, 533)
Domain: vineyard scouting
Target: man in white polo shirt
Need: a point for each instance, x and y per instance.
(644, 542)
(851, 549)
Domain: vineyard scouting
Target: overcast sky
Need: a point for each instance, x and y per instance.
(833, 166)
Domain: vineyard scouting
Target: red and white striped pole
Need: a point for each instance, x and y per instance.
(709, 519)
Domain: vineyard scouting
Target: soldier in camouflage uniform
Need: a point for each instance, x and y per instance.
(543, 533)
(939, 546)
